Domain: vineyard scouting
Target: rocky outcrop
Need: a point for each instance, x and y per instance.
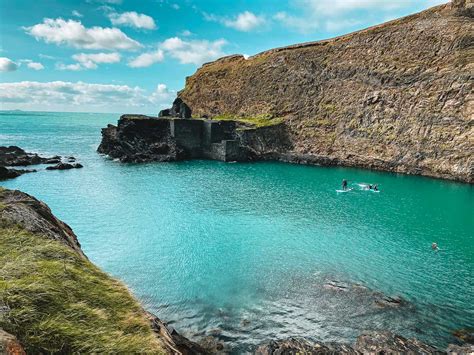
(395, 97)
(138, 138)
(15, 156)
(179, 109)
(6, 173)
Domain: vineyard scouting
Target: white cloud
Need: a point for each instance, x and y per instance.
(7, 64)
(132, 19)
(162, 94)
(89, 61)
(193, 51)
(186, 33)
(76, 13)
(245, 21)
(80, 96)
(300, 24)
(73, 33)
(32, 65)
(147, 59)
(72, 67)
(331, 7)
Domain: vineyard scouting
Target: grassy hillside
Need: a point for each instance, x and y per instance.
(58, 301)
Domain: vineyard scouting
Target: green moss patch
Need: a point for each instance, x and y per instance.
(263, 120)
(56, 301)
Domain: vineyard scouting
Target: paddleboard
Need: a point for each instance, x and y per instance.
(341, 191)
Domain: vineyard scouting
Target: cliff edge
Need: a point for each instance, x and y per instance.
(54, 300)
(395, 97)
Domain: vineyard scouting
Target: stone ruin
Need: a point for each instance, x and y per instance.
(179, 109)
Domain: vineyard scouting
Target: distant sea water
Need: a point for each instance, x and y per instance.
(242, 251)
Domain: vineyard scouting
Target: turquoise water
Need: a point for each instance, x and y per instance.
(242, 251)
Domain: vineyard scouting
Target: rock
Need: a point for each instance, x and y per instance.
(175, 108)
(378, 110)
(211, 344)
(71, 159)
(184, 111)
(389, 343)
(294, 346)
(164, 113)
(385, 301)
(466, 335)
(64, 166)
(9, 344)
(22, 209)
(52, 161)
(15, 156)
(466, 349)
(6, 173)
(173, 341)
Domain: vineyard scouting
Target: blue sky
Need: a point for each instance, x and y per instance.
(133, 55)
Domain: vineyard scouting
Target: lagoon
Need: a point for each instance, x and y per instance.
(243, 251)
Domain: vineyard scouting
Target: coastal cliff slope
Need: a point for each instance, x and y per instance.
(54, 300)
(396, 97)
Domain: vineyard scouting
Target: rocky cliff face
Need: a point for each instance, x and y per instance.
(394, 97)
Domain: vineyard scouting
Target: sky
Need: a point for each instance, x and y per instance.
(132, 56)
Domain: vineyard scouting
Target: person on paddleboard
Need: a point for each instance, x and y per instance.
(344, 184)
(376, 188)
(434, 246)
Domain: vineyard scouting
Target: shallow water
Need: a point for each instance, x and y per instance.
(242, 251)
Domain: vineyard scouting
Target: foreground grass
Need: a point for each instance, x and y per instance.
(57, 301)
(258, 121)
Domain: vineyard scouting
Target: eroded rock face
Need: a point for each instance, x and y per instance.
(395, 97)
(35, 216)
(9, 173)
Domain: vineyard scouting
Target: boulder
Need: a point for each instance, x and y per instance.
(389, 343)
(9, 344)
(184, 110)
(175, 108)
(64, 166)
(164, 113)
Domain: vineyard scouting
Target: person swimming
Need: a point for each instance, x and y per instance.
(434, 246)
(344, 184)
(376, 188)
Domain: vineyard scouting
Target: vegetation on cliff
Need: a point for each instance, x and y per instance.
(55, 300)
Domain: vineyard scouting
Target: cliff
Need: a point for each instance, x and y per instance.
(395, 97)
(54, 300)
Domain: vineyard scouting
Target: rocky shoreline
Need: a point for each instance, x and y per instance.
(14, 156)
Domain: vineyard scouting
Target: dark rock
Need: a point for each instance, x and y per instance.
(175, 108)
(386, 301)
(71, 159)
(211, 344)
(164, 113)
(53, 161)
(184, 111)
(6, 173)
(173, 341)
(15, 156)
(64, 166)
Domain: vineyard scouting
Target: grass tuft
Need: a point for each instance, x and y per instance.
(59, 302)
(263, 120)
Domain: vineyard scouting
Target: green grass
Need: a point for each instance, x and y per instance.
(59, 302)
(263, 120)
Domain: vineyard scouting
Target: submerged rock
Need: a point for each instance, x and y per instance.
(390, 343)
(293, 346)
